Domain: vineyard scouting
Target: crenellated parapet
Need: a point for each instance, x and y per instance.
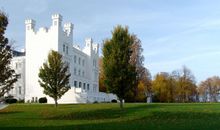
(68, 28)
(56, 19)
(30, 24)
(95, 48)
(91, 48)
(56, 26)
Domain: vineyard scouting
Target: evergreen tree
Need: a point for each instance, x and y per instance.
(54, 76)
(119, 74)
(7, 74)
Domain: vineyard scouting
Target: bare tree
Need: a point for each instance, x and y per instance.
(209, 89)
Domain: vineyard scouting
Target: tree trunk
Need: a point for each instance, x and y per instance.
(121, 103)
(56, 103)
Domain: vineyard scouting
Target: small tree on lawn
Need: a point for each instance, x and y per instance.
(119, 74)
(54, 76)
(7, 74)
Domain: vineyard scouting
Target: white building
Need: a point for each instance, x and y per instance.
(18, 64)
(83, 63)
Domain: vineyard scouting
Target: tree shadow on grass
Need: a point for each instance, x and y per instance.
(157, 121)
(163, 115)
(9, 112)
(101, 113)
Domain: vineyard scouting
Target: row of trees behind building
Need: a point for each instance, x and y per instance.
(177, 86)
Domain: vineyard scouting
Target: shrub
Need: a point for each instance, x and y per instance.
(114, 101)
(11, 100)
(42, 100)
(95, 102)
(20, 101)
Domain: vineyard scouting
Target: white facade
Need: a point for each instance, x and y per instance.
(83, 63)
(18, 64)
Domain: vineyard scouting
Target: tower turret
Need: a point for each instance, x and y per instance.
(56, 19)
(68, 28)
(30, 24)
(89, 42)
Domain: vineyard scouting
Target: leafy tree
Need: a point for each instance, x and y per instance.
(136, 60)
(147, 81)
(119, 74)
(141, 95)
(185, 85)
(163, 87)
(144, 88)
(54, 76)
(209, 88)
(102, 87)
(7, 74)
(179, 86)
(203, 91)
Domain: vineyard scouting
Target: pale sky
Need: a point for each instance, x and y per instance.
(173, 32)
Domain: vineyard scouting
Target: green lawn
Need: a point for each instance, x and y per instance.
(110, 117)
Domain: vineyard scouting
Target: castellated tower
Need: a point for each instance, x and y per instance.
(38, 44)
(83, 63)
(30, 24)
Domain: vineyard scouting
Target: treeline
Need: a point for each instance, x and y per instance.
(179, 86)
(209, 89)
(122, 72)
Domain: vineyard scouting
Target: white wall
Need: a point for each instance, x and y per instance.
(18, 64)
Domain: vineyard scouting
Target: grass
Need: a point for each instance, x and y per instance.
(198, 116)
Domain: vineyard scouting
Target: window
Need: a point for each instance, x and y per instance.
(64, 48)
(55, 23)
(16, 65)
(74, 71)
(87, 86)
(79, 60)
(83, 73)
(83, 62)
(19, 90)
(75, 83)
(36, 99)
(84, 86)
(74, 58)
(79, 72)
(80, 84)
(18, 76)
(94, 88)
